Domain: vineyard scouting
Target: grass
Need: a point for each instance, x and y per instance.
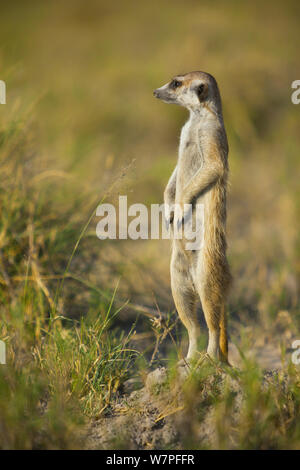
(79, 111)
(59, 369)
(244, 409)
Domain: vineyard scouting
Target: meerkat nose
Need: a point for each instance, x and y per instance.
(155, 93)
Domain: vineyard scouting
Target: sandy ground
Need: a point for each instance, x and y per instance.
(267, 356)
(154, 418)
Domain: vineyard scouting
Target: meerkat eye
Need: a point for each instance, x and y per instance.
(175, 84)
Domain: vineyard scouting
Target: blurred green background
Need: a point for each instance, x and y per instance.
(81, 76)
(83, 73)
(80, 112)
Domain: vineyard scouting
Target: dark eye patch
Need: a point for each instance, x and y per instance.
(175, 84)
(200, 89)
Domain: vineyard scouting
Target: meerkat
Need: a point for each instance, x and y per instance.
(200, 176)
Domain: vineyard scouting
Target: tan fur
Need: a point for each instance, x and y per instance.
(201, 177)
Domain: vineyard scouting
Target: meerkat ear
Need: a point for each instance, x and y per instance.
(201, 91)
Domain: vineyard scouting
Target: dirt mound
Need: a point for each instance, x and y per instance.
(160, 415)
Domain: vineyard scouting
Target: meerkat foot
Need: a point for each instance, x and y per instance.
(187, 361)
(194, 359)
(192, 355)
(213, 349)
(184, 362)
(213, 354)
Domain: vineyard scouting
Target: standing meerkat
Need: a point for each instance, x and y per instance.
(200, 177)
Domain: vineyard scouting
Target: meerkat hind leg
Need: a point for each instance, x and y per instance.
(185, 296)
(212, 313)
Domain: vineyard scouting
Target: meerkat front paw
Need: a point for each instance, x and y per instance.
(183, 215)
(169, 214)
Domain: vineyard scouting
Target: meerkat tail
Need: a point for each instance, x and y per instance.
(223, 337)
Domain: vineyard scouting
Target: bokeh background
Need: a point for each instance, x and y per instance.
(80, 77)
(81, 122)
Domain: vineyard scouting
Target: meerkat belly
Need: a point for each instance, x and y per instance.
(188, 165)
(190, 161)
(190, 158)
(193, 229)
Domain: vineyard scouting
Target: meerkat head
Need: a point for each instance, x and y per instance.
(193, 90)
